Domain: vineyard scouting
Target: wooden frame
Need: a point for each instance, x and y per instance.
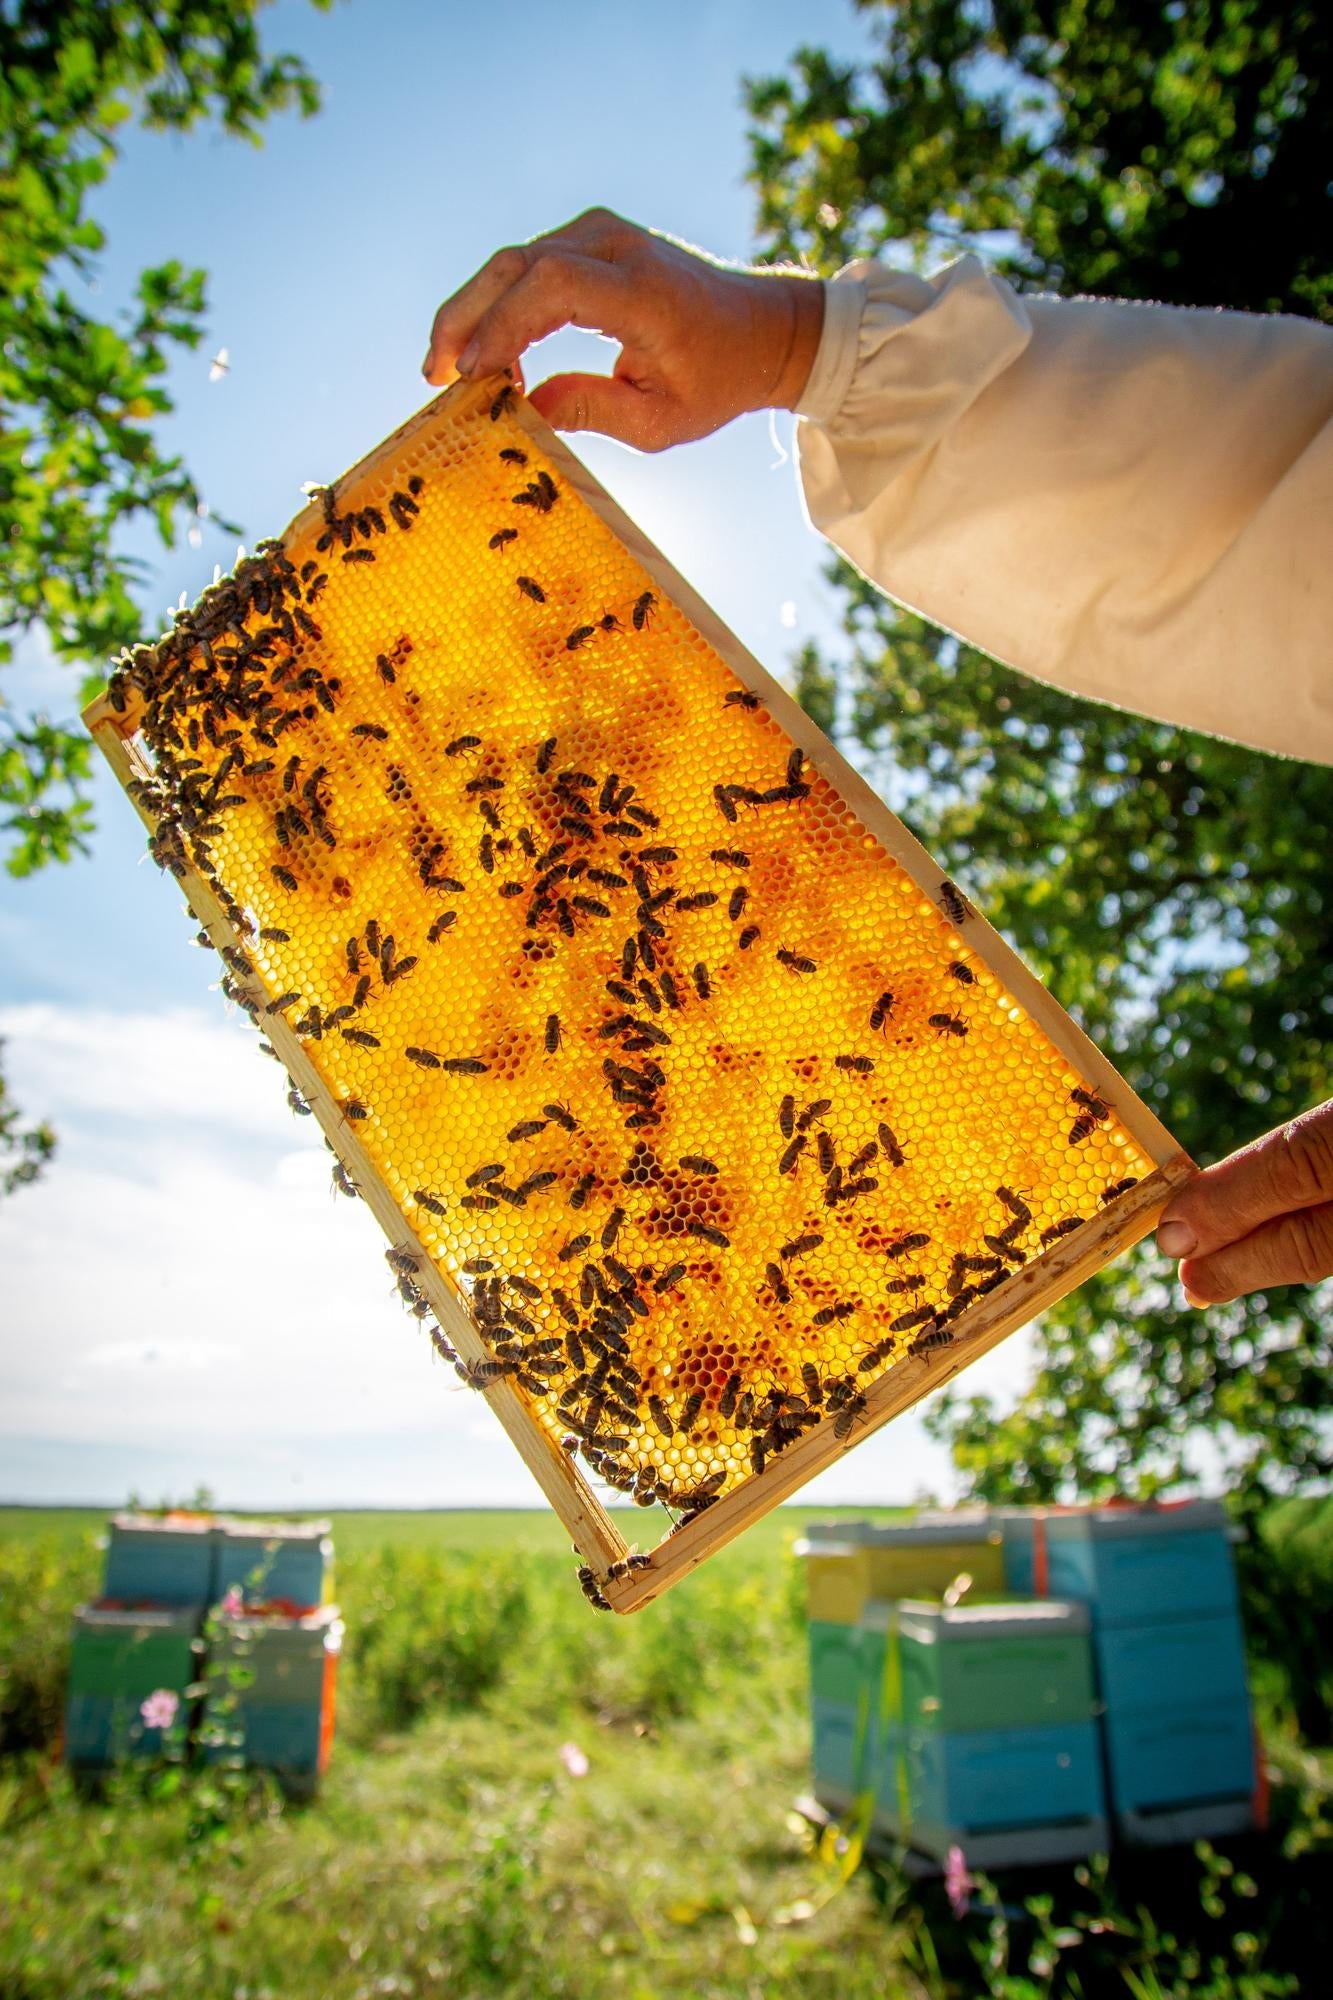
(1039, 1283)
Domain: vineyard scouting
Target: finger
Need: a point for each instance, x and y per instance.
(1285, 1171)
(1293, 1249)
(560, 289)
(602, 403)
(456, 321)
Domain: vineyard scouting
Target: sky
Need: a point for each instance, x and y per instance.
(181, 1301)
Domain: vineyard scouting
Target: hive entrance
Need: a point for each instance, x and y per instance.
(706, 1116)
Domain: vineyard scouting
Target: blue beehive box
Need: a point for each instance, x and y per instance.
(117, 1660)
(1141, 1668)
(274, 1562)
(270, 1701)
(1185, 1754)
(1130, 1564)
(164, 1559)
(990, 1781)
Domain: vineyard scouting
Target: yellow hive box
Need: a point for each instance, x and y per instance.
(857, 1562)
(710, 1121)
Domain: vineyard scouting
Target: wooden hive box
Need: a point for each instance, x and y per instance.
(711, 1123)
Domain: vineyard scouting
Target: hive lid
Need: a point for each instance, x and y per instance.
(932, 1624)
(1103, 1524)
(237, 1528)
(701, 1108)
(131, 1523)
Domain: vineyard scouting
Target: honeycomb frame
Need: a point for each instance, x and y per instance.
(646, 645)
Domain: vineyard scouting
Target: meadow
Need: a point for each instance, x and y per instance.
(453, 1849)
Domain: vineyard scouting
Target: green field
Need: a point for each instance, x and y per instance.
(452, 1853)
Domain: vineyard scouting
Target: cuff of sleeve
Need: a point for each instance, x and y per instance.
(835, 363)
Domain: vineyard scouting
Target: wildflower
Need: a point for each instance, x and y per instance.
(233, 1604)
(574, 1760)
(958, 1884)
(158, 1710)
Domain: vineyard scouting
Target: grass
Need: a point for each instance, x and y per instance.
(451, 1853)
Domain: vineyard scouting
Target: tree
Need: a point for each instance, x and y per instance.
(1173, 890)
(79, 396)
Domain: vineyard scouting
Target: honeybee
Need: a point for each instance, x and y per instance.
(432, 1203)
(530, 588)
(948, 1024)
(465, 1066)
(740, 896)
(799, 1246)
(669, 1279)
(502, 537)
(742, 698)
(750, 936)
(579, 637)
(851, 1412)
(284, 878)
(953, 904)
(1064, 1227)
(644, 607)
(1118, 1188)
(829, 1315)
(781, 1289)
(793, 1153)
(708, 1234)
(794, 962)
(503, 401)
(916, 1239)
(855, 1065)
(554, 1034)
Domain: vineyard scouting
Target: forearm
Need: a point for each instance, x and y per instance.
(1132, 502)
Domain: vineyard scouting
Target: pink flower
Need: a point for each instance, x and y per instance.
(574, 1760)
(958, 1884)
(233, 1604)
(159, 1709)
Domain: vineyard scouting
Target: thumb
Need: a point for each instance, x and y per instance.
(595, 403)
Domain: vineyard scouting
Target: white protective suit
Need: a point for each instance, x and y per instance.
(1133, 502)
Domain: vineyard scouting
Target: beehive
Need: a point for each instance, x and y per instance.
(710, 1121)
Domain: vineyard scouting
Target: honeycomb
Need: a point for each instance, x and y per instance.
(706, 1109)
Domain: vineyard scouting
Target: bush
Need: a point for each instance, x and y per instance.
(41, 1582)
(428, 1630)
(1286, 1576)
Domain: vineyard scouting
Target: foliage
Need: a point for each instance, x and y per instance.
(41, 1582)
(24, 1150)
(1096, 146)
(1173, 890)
(429, 1630)
(80, 395)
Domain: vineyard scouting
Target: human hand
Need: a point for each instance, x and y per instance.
(1262, 1217)
(700, 343)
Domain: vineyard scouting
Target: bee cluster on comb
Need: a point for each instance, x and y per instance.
(709, 1121)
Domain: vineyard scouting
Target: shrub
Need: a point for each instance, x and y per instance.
(427, 1629)
(41, 1582)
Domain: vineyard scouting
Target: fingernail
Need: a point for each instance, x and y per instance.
(1192, 1298)
(467, 360)
(1176, 1239)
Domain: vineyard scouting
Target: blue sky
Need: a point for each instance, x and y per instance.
(180, 1300)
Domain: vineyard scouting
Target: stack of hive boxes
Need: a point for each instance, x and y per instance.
(1160, 1587)
(945, 1716)
(273, 1651)
(229, 1611)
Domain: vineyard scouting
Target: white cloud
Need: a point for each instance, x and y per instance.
(184, 1278)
